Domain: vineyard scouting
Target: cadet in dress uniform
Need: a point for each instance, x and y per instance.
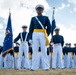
(69, 65)
(58, 41)
(37, 34)
(65, 52)
(74, 52)
(16, 54)
(23, 47)
(1, 63)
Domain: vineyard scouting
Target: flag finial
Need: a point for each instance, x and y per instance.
(53, 7)
(53, 11)
(9, 11)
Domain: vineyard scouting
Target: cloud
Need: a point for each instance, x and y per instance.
(72, 1)
(73, 11)
(33, 3)
(6, 4)
(1, 27)
(63, 6)
(13, 4)
(68, 5)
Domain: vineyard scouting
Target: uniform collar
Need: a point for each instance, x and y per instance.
(39, 15)
(56, 34)
(24, 32)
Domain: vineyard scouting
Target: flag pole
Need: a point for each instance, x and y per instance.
(53, 13)
(52, 37)
(53, 19)
(12, 42)
(9, 11)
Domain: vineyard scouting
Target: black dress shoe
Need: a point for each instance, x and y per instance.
(32, 70)
(27, 69)
(18, 69)
(53, 68)
(46, 70)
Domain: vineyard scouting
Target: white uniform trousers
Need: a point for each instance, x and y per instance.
(30, 59)
(57, 53)
(11, 62)
(74, 60)
(1, 61)
(23, 63)
(30, 62)
(69, 61)
(7, 61)
(58, 60)
(39, 40)
(23, 48)
(39, 60)
(65, 60)
(50, 59)
(16, 57)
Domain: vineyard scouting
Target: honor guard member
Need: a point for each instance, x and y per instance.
(1, 65)
(58, 42)
(16, 54)
(74, 51)
(40, 27)
(69, 65)
(23, 47)
(65, 52)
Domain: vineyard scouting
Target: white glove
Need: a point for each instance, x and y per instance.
(51, 43)
(30, 41)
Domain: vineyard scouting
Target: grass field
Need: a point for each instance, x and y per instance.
(38, 72)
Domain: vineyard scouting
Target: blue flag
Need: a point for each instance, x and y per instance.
(53, 22)
(8, 41)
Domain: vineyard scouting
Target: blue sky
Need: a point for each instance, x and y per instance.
(66, 15)
(23, 10)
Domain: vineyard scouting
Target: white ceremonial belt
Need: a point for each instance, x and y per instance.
(57, 44)
(24, 43)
